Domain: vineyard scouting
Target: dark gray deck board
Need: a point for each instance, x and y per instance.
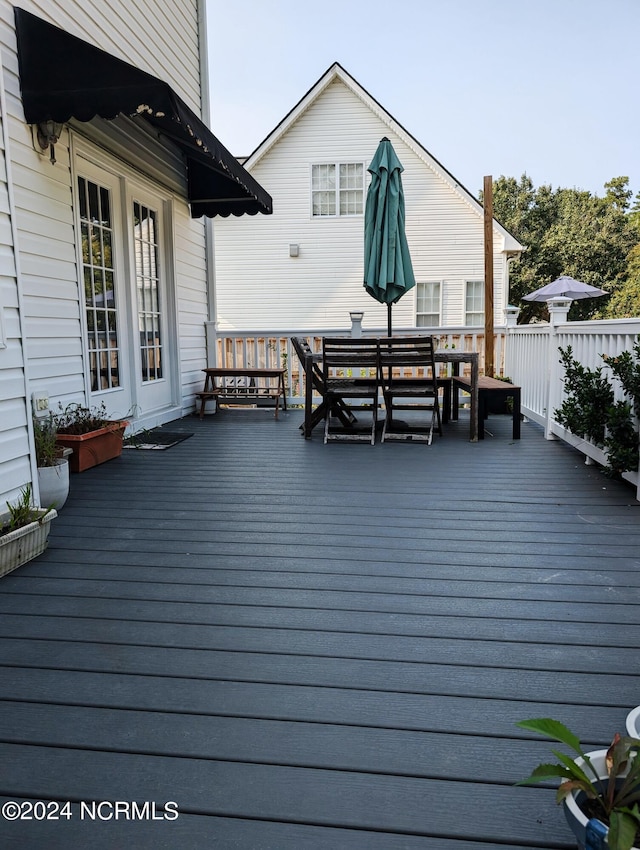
(624, 613)
(529, 629)
(312, 646)
(384, 647)
(280, 742)
(195, 831)
(592, 589)
(315, 796)
(337, 573)
(345, 706)
(439, 560)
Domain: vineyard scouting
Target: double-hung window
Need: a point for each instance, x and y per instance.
(337, 189)
(428, 305)
(474, 303)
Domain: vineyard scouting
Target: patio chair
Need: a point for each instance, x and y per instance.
(350, 379)
(416, 393)
(314, 382)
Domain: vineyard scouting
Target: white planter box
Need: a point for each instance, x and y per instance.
(22, 545)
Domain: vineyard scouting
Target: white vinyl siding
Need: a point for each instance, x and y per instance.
(337, 189)
(474, 303)
(15, 465)
(428, 304)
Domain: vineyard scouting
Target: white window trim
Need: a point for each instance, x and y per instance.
(337, 164)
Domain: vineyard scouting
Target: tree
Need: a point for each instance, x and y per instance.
(625, 301)
(618, 193)
(566, 231)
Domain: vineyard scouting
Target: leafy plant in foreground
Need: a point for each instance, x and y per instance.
(44, 435)
(613, 800)
(589, 395)
(23, 512)
(626, 367)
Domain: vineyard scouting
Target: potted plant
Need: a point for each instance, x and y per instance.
(601, 789)
(23, 531)
(93, 437)
(52, 462)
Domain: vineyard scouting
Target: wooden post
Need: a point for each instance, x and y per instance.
(488, 277)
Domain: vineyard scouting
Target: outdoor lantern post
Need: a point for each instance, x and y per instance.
(356, 323)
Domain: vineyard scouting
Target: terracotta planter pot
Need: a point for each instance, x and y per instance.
(94, 447)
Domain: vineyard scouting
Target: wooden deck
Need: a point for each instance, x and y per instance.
(312, 647)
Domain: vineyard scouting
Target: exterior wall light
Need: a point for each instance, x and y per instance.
(294, 250)
(48, 133)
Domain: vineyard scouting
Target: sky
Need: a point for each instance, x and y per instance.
(549, 88)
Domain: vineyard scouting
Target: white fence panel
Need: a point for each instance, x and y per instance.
(533, 361)
(527, 365)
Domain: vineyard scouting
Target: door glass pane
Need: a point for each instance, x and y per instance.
(145, 237)
(96, 229)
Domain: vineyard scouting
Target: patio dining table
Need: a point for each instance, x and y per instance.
(455, 357)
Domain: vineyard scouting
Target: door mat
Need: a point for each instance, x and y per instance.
(155, 440)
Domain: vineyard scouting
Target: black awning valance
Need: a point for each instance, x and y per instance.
(63, 77)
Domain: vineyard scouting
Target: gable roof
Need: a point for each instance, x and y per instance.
(337, 72)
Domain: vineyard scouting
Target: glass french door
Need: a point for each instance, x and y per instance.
(153, 384)
(125, 295)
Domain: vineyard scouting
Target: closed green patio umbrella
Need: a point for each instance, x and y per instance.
(388, 272)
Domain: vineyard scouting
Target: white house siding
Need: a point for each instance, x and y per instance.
(161, 38)
(259, 287)
(15, 468)
(192, 305)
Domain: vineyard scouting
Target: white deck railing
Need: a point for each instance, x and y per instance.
(274, 349)
(533, 362)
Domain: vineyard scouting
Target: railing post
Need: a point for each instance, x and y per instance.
(558, 312)
(511, 320)
(511, 314)
(356, 323)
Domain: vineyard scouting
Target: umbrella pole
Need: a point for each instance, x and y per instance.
(389, 320)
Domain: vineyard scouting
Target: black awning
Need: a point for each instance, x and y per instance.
(63, 77)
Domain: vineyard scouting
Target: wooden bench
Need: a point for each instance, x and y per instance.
(490, 390)
(243, 385)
